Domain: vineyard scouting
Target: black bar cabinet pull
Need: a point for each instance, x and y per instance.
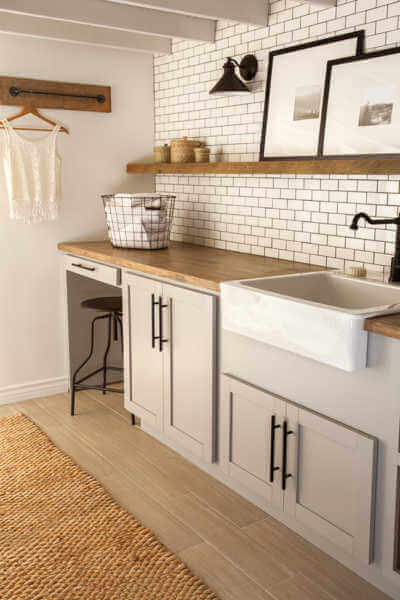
(153, 322)
(83, 267)
(14, 91)
(285, 475)
(160, 309)
(272, 467)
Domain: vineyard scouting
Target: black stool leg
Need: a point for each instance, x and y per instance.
(133, 419)
(110, 318)
(74, 376)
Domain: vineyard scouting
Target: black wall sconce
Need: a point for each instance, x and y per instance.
(230, 82)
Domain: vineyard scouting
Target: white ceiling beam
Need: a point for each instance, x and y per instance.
(112, 15)
(253, 12)
(18, 24)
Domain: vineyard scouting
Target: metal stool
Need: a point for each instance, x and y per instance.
(112, 306)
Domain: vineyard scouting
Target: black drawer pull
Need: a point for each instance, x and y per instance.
(272, 467)
(83, 267)
(155, 337)
(160, 315)
(285, 475)
(153, 321)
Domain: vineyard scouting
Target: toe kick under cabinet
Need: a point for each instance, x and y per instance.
(316, 470)
(170, 357)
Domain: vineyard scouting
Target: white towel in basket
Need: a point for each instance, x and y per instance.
(154, 226)
(138, 222)
(149, 233)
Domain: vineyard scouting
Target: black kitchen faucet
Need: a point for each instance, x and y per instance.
(395, 266)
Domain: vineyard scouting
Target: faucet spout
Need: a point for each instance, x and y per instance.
(357, 217)
(395, 265)
(363, 215)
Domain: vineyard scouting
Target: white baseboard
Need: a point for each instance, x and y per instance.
(34, 389)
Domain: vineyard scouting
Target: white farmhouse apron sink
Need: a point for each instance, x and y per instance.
(319, 315)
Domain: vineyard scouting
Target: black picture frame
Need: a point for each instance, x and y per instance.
(324, 112)
(360, 37)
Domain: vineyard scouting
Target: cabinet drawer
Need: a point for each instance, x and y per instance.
(93, 270)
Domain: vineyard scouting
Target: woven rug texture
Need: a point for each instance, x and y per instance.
(62, 537)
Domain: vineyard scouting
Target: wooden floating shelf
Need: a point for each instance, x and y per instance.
(348, 166)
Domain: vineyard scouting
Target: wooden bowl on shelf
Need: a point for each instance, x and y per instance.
(162, 154)
(202, 154)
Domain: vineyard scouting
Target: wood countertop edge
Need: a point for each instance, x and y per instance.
(177, 270)
(142, 267)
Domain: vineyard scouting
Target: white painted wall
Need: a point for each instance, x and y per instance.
(32, 346)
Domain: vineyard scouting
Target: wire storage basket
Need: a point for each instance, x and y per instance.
(139, 220)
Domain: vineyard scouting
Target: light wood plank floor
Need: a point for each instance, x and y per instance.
(237, 549)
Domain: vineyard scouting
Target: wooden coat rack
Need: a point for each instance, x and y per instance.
(17, 91)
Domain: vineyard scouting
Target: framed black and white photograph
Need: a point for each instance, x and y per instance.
(361, 107)
(293, 97)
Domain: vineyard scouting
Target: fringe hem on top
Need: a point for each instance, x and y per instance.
(38, 214)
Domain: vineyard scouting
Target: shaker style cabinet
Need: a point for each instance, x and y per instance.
(318, 471)
(143, 364)
(170, 357)
(249, 448)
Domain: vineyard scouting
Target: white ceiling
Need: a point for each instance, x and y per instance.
(148, 25)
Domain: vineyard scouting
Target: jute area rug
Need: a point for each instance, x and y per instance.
(62, 537)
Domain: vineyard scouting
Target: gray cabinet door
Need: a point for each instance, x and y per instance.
(248, 416)
(329, 487)
(143, 359)
(189, 323)
(332, 485)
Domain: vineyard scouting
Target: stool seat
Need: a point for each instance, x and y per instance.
(105, 304)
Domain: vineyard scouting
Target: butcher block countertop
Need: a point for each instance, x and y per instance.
(388, 325)
(186, 263)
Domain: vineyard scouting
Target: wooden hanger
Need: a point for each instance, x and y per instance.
(32, 110)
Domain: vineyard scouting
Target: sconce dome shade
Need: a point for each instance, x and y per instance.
(229, 81)
(248, 67)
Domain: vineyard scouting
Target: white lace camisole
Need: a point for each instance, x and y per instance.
(32, 170)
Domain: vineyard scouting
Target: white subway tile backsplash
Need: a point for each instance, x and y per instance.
(386, 25)
(348, 185)
(346, 9)
(308, 20)
(356, 20)
(388, 186)
(301, 10)
(304, 218)
(376, 14)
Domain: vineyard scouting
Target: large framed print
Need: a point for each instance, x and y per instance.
(293, 96)
(361, 107)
